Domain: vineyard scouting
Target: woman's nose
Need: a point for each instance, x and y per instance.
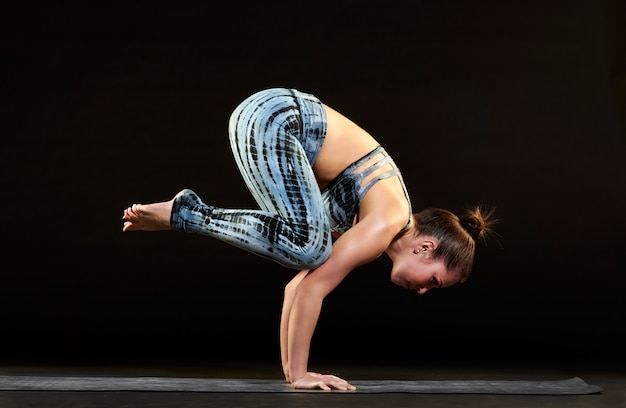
(421, 291)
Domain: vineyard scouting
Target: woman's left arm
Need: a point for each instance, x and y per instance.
(363, 243)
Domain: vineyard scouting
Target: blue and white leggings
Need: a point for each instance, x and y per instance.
(275, 137)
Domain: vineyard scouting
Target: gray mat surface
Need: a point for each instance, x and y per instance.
(572, 386)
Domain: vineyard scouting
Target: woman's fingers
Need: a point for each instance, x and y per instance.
(323, 382)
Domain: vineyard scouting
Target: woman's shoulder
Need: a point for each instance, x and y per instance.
(387, 203)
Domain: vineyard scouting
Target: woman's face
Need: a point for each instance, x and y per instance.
(419, 272)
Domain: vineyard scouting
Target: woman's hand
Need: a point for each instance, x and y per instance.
(326, 382)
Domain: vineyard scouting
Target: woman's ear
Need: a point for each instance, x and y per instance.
(426, 246)
(429, 245)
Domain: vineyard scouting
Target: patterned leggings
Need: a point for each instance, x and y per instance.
(275, 137)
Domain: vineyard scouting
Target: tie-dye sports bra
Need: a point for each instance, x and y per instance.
(342, 196)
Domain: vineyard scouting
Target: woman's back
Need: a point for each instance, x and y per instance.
(345, 144)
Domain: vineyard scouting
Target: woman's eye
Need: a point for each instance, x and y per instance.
(433, 281)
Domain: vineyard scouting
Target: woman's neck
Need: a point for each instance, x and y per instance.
(403, 241)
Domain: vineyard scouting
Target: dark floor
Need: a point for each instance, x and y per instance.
(613, 382)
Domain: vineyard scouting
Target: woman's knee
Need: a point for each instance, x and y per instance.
(262, 106)
(314, 256)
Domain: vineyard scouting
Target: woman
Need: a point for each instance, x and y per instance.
(330, 199)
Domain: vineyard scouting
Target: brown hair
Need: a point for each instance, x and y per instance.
(457, 236)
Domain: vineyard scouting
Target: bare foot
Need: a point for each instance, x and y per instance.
(148, 217)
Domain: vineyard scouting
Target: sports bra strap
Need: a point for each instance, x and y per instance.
(385, 160)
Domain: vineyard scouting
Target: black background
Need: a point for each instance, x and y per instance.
(518, 105)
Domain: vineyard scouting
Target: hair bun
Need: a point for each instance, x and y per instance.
(478, 221)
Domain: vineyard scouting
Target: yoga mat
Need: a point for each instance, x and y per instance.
(572, 386)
